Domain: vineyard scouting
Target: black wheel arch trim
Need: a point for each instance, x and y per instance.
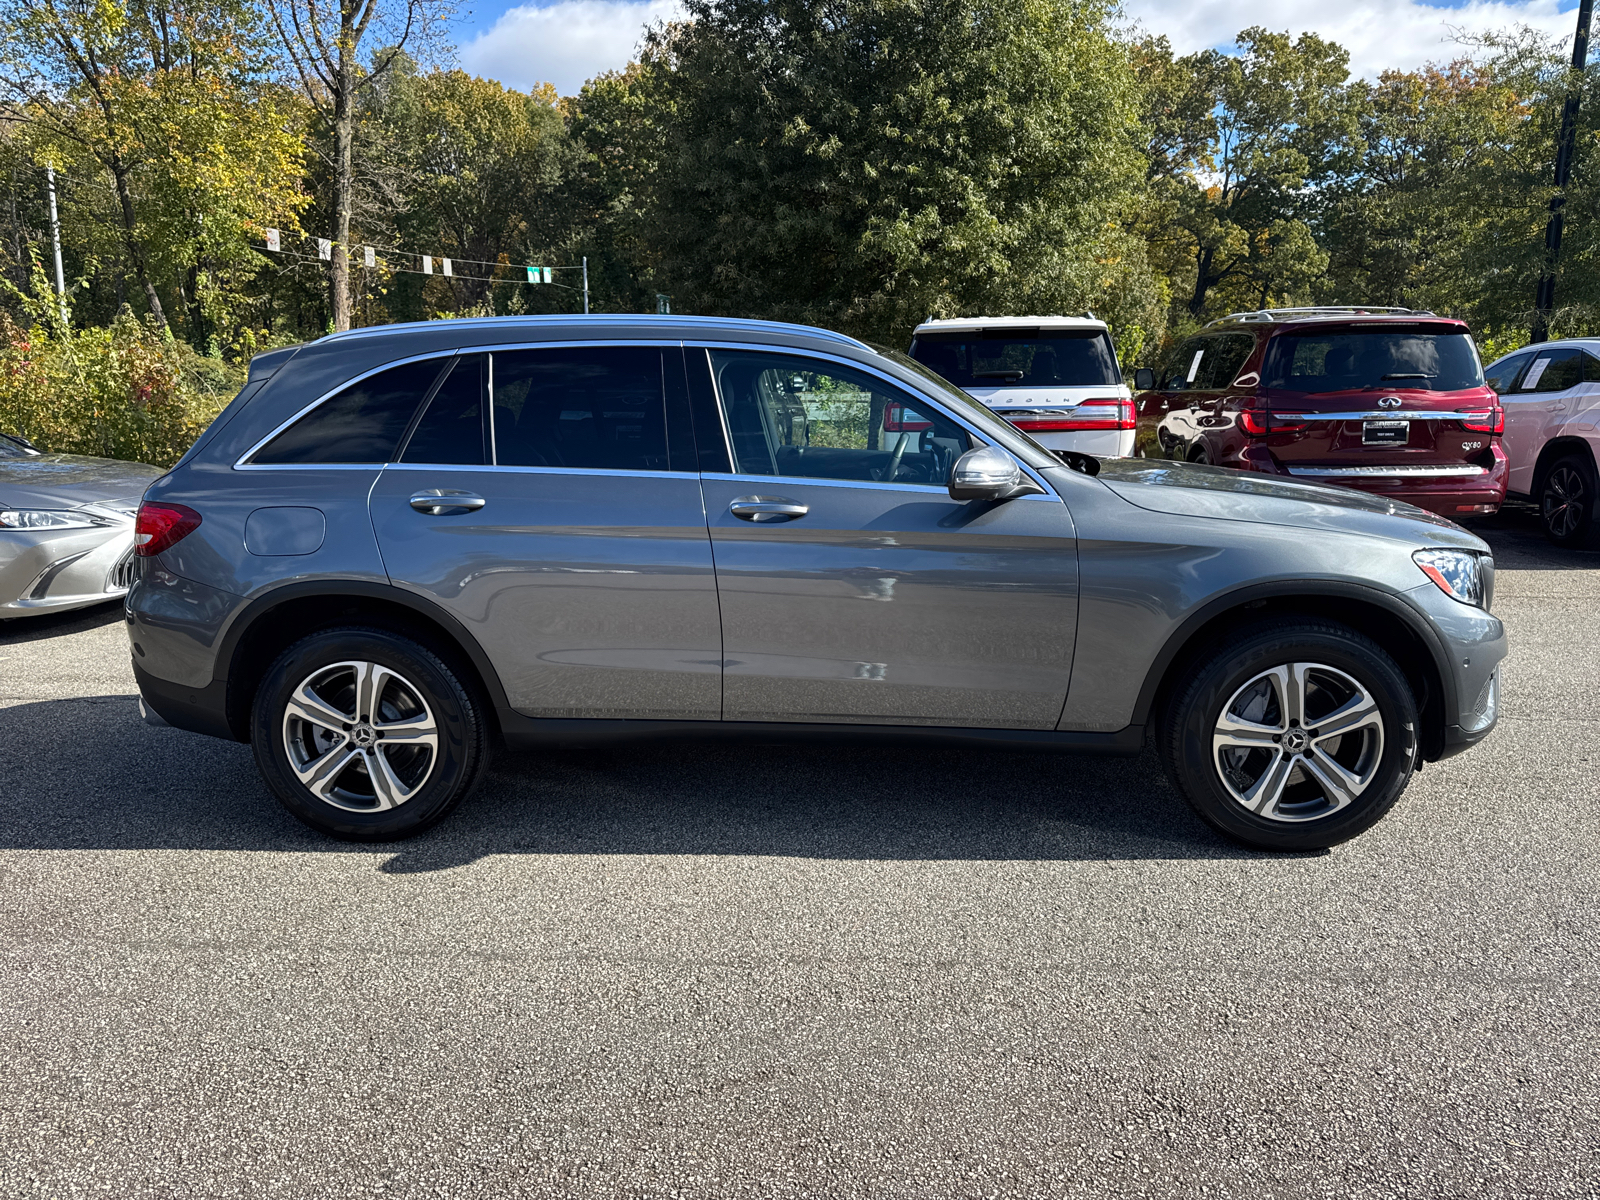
(1180, 638)
(248, 616)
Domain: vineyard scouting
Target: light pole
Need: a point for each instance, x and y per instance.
(55, 236)
(1544, 301)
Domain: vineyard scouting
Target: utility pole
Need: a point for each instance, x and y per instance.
(55, 235)
(586, 270)
(1544, 302)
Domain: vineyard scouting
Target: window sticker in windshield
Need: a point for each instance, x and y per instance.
(1535, 373)
(1194, 367)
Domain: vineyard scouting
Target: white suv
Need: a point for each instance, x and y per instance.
(1551, 396)
(1055, 378)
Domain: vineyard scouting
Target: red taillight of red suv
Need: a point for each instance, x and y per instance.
(1256, 422)
(1492, 422)
(1120, 418)
(158, 527)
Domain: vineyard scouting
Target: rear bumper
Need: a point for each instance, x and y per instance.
(1469, 489)
(1102, 443)
(199, 710)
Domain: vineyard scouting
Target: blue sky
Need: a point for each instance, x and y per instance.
(567, 41)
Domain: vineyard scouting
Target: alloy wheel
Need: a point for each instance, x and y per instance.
(1564, 502)
(1298, 742)
(359, 736)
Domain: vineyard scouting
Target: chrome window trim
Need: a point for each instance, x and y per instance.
(891, 380)
(244, 466)
(1441, 470)
(497, 468)
(243, 462)
(869, 484)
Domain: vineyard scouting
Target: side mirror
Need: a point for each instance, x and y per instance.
(988, 473)
(1144, 380)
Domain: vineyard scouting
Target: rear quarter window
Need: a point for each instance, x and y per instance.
(361, 424)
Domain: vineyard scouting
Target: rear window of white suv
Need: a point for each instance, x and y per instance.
(1019, 356)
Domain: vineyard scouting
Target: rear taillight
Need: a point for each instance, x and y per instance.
(897, 418)
(1120, 417)
(1256, 422)
(161, 526)
(1492, 422)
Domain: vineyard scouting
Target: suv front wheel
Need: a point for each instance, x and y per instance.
(1292, 735)
(366, 735)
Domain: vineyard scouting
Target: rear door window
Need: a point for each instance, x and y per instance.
(1019, 356)
(1553, 371)
(593, 407)
(453, 429)
(1224, 356)
(361, 424)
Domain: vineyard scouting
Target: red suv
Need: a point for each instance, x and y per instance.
(1387, 400)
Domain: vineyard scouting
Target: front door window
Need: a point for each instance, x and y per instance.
(795, 416)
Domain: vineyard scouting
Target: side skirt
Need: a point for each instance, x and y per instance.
(532, 733)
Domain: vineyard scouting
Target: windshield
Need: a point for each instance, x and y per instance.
(998, 431)
(1017, 357)
(1393, 359)
(11, 448)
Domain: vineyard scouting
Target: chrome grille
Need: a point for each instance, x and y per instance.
(124, 573)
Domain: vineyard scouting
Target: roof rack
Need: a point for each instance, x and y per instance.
(1326, 310)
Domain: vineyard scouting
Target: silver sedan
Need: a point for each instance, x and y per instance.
(66, 528)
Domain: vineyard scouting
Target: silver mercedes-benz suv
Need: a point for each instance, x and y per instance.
(401, 547)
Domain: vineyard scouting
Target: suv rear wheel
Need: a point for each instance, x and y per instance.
(1292, 735)
(366, 735)
(1567, 502)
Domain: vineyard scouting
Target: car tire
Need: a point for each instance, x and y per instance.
(1227, 744)
(1199, 457)
(1567, 498)
(366, 735)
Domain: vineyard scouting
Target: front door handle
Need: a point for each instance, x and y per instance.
(439, 502)
(767, 508)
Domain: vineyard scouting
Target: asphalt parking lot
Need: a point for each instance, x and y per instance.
(778, 971)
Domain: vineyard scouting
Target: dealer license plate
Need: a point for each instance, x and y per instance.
(1385, 433)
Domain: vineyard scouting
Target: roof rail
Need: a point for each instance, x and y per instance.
(1324, 310)
(665, 322)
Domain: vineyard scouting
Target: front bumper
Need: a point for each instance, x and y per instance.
(48, 571)
(1474, 643)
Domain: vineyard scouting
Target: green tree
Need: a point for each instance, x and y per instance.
(323, 38)
(482, 161)
(168, 100)
(864, 163)
(1239, 146)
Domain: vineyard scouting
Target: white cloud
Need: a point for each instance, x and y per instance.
(1378, 33)
(570, 41)
(565, 43)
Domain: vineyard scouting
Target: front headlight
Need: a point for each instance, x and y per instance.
(1456, 573)
(47, 518)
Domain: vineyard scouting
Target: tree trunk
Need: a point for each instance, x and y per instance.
(141, 267)
(343, 183)
(1202, 281)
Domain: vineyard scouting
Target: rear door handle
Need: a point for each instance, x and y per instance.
(439, 502)
(767, 508)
